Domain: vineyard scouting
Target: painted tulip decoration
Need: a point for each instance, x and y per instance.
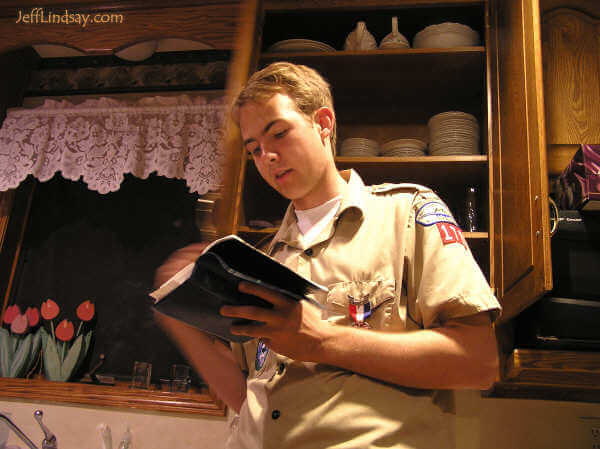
(20, 341)
(64, 349)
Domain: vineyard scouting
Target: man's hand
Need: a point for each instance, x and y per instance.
(210, 357)
(291, 328)
(460, 354)
(176, 261)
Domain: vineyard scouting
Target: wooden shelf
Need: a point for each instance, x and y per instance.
(550, 374)
(438, 79)
(121, 396)
(439, 172)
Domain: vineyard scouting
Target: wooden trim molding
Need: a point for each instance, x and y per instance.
(201, 402)
(214, 25)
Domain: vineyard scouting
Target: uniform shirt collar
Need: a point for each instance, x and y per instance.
(352, 198)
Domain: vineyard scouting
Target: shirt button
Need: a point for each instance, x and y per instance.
(276, 414)
(281, 368)
(308, 252)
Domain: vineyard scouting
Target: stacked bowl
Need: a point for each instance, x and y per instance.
(403, 148)
(446, 35)
(359, 147)
(453, 133)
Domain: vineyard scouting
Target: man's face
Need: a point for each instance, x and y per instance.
(288, 149)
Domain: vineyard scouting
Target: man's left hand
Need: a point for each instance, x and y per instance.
(291, 328)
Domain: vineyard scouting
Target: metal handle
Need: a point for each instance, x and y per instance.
(553, 217)
(49, 438)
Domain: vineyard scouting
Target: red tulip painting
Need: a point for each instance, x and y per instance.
(50, 310)
(64, 350)
(20, 343)
(19, 324)
(10, 313)
(33, 316)
(65, 331)
(85, 310)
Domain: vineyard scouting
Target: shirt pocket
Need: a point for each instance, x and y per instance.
(376, 296)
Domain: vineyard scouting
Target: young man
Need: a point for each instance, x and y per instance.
(408, 315)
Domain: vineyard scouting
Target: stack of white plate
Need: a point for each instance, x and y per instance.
(446, 35)
(359, 147)
(453, 133)
(403, 148)
(299, 45)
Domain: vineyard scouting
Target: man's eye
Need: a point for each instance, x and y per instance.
(280, 134)
(254, 151)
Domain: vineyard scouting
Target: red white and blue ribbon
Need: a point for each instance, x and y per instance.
(359, 310)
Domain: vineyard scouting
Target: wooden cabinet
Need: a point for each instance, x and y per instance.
(571, 74)
(387, 94)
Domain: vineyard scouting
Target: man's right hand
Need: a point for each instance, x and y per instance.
(178, 260)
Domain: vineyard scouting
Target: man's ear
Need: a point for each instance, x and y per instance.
(325, 119)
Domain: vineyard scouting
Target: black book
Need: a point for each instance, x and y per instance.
(196, 293)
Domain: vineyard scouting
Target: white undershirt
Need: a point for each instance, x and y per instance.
(312, 221)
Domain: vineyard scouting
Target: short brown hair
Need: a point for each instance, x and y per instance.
(304, 85)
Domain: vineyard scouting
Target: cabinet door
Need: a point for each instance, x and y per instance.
(521, 240)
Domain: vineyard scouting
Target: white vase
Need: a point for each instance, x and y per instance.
(360, 39)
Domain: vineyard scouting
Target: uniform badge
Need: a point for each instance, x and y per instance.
(360, 310)
(451, 234)
(261, 355)
(434, 212)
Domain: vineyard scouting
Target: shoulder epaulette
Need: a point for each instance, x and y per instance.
(390, 188)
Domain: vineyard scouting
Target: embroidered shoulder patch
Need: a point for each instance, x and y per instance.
(434, 212)
(261, 355)
(451, 234)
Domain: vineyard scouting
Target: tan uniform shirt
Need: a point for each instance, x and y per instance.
(395, 252)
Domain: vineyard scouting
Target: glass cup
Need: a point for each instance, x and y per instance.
(180, 372)
(180, 385)
(180, 378)
(165, 384)
(142, 372)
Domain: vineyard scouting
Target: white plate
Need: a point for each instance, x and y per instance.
(292, 45)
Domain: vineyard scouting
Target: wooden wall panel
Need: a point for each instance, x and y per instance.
(571, 49)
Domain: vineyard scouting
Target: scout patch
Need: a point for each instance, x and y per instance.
(360, 310)
(261, 355)
(434, 212)
(451, 234)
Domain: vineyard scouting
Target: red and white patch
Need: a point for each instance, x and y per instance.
(451, 234)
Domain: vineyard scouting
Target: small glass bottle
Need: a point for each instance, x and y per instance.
(470, 211)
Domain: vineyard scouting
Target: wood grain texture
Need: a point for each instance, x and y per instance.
(119, 396)
(571, 46)
(559, 157)
(214, 25)
(590, 7)
(229, 210)
(553, 367)
(284, 5)
(521, 234)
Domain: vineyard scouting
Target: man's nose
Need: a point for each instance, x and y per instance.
(271, 155)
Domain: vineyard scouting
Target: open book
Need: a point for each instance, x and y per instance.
(196, 293)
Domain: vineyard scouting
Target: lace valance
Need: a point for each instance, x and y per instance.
(100, 140)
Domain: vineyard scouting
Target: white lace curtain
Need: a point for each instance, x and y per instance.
(100, 140)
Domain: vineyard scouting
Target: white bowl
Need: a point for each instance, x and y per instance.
(446, 35)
